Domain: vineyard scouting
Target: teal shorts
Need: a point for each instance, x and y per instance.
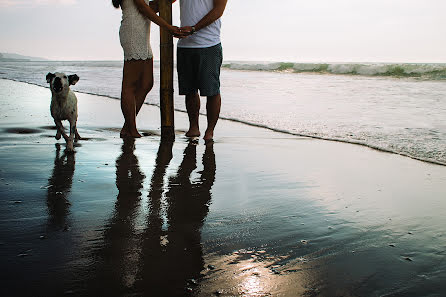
(199, 69)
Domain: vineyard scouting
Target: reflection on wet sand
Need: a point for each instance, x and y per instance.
(116, 258)
(59, 186)
(173, 259)
(152, 260)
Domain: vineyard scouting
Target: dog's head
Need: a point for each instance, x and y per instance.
(60, 82)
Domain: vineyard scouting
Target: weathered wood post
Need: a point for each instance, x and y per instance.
(166, 80)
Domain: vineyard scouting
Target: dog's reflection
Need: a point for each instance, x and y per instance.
(59, 186)
(173, 259)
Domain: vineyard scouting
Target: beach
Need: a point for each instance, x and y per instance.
(397, 108)
(257, 213)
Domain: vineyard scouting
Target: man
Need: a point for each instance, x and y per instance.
(199, 58)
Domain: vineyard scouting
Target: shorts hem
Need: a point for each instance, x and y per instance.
(185, 93)
(204, 94)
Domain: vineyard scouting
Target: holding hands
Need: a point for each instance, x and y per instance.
(174, 30)
(184, 32)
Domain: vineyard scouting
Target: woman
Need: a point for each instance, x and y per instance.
(137, 79)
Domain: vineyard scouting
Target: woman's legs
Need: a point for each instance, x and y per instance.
(131, 74)
(137, 81)
(145, 84)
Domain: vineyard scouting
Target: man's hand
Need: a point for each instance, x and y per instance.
(187, 30)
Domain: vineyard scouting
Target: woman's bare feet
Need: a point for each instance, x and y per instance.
(123, 132)
(135, 134)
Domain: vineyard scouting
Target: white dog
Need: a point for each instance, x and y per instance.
(64, 105)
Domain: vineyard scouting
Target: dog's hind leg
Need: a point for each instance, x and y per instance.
(76, 134)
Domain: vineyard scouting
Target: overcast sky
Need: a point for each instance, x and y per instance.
(259, 30)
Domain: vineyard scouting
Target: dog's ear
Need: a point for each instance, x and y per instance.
(50, 76)
(73, 79)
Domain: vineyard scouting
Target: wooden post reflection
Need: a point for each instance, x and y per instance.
(166, 80)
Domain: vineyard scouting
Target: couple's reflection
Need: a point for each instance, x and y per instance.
(118, 260)
(155, 250)
(59, 186)
(173, 258)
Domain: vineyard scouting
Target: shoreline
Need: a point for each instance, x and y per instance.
(257, 213)
(435, 162)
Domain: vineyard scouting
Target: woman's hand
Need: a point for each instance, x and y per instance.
(174, 30)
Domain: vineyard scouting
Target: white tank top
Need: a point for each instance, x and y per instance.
(191, 12)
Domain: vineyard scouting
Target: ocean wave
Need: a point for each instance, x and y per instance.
(422, 71)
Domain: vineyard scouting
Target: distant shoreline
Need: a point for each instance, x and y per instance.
(11, 57)
(14, 60)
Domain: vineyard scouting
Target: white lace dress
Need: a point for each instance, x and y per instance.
(134, 33)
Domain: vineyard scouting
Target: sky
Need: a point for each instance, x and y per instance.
(252, 30)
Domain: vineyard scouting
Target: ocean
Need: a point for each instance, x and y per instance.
(398, 108)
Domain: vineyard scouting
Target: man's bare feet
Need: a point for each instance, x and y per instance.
(208, 136)
(193, 133)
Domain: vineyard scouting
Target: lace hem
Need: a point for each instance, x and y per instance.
(137, 57)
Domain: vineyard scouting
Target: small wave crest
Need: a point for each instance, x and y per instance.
(423, 71)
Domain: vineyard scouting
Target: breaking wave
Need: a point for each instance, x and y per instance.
(422, 71)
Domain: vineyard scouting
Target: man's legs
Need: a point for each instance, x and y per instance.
(199, 68)
(213, 106)
(193, 111)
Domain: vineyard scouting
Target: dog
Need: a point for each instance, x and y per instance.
(64, 105)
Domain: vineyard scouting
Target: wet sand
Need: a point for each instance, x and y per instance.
(258, 213)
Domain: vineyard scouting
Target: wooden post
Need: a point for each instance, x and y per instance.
(166, 81)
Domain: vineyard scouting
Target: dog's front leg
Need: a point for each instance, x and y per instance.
(60, 130)
(70, 140)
